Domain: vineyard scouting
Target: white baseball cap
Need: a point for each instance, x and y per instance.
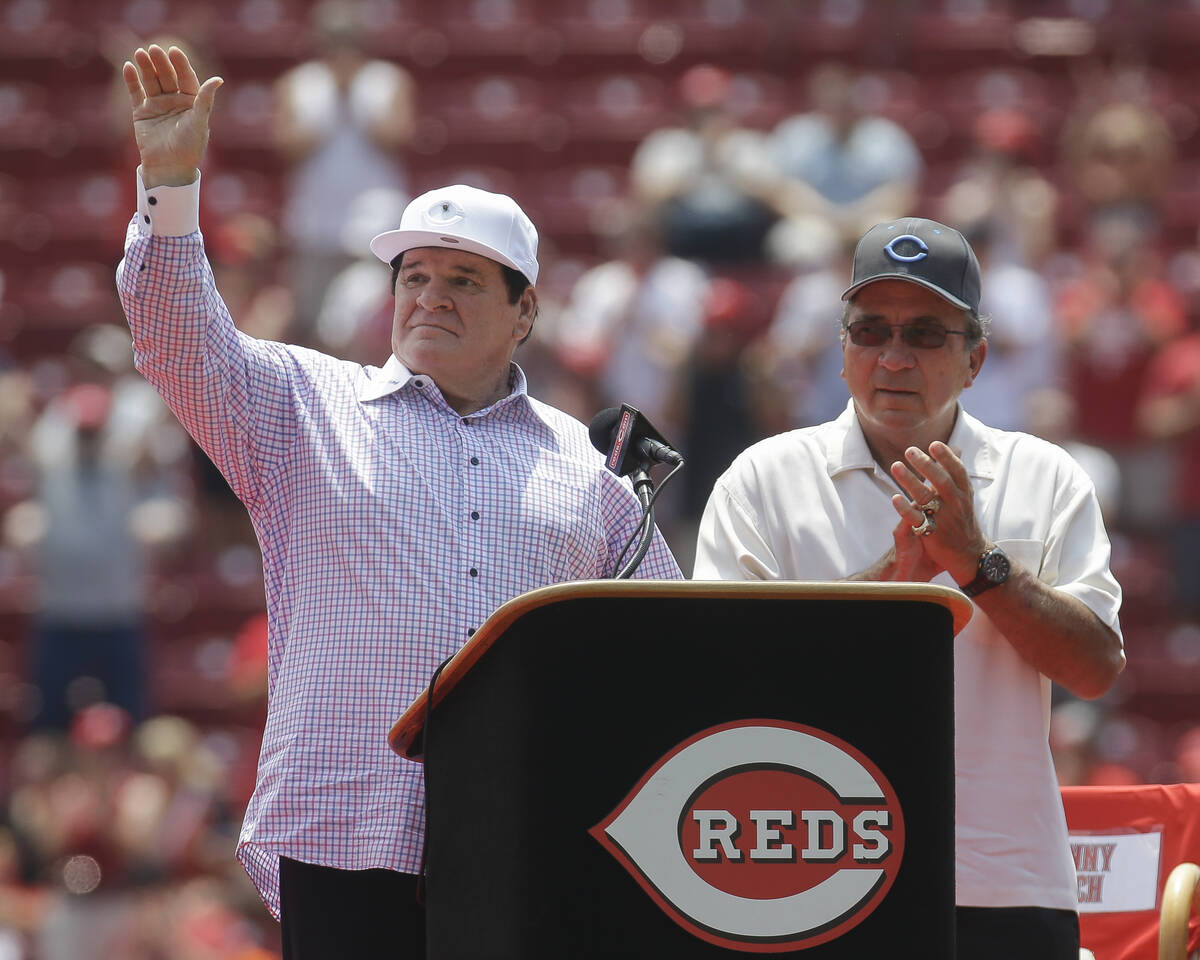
(465, 218)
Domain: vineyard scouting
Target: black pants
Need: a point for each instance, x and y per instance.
(1016, 933)
(329, 914)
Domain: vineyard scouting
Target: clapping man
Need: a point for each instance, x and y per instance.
(905, 485)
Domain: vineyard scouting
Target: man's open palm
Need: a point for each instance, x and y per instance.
(170, 113)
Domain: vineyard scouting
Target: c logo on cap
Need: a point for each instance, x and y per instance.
(921, 254)
(444, 212)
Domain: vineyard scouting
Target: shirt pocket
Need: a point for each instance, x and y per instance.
(1028, 553)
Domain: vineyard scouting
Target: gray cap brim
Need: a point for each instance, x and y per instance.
(851, 291)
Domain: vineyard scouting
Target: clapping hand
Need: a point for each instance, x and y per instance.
(938, 514)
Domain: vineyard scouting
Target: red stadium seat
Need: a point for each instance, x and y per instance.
(962, 34)
(262, 28)
(483, 176)
(245, 118)
(603, 26)
(26, 122)
(481, 28)
(34, 30)
(570, 197)
(621, 106)
(488, 108)
(231, 191)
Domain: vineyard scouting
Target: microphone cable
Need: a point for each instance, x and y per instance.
(647, 520)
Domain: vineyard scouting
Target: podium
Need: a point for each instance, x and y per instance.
(694, 769)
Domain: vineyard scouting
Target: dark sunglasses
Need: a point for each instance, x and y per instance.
(923, 336)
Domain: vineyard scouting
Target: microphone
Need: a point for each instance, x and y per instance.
(629, 441)
(630, 444)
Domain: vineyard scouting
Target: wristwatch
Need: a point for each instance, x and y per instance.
(992, 571)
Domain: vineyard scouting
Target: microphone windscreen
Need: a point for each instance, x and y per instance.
(602, 427)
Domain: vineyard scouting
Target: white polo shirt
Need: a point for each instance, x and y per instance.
(812, 504)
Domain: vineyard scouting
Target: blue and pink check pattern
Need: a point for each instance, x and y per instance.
(390, 529)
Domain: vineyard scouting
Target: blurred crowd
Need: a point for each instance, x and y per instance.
(694, 271)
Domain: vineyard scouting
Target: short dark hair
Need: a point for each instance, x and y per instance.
(514, 280)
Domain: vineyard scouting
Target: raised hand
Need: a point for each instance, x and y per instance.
(170, 113)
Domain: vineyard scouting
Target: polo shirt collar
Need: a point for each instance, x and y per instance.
(849, 451)
(969, 439)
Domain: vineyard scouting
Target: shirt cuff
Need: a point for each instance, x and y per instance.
(168, 211)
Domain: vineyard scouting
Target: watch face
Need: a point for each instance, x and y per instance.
(994, 566)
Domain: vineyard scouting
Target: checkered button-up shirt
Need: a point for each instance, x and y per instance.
(390, 527)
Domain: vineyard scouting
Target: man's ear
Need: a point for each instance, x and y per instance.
(977, 356)
(527, 304)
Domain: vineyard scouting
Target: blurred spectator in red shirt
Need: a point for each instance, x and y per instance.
(1112, 320)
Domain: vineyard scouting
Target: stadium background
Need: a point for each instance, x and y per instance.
(121, 833)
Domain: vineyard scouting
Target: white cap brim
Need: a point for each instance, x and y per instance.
(388, 246)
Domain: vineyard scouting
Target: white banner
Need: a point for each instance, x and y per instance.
(1116, 873)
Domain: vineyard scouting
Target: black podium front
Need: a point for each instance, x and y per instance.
(654, 769)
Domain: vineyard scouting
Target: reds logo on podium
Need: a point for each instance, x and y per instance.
(761, 836)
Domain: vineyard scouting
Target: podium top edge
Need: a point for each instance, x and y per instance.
(404, 736)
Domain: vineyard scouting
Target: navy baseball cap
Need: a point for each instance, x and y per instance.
(921, 251)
